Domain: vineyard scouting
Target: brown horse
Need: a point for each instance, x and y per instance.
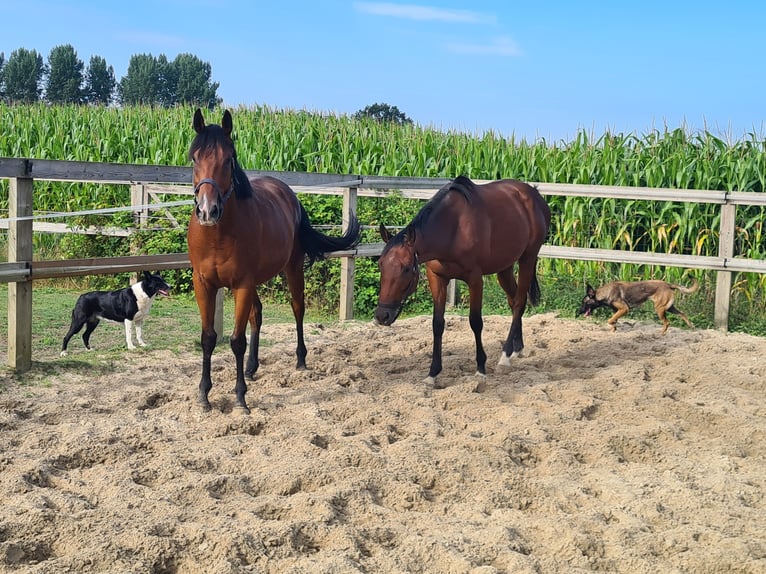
(242, 233)
(464, 232)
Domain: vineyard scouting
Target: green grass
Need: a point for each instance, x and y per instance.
(173, 324)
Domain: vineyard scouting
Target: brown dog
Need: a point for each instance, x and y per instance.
(622, 296)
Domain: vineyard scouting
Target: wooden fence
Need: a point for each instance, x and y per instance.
(147, 181)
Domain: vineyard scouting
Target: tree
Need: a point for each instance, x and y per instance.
(142, 84)
(383, 113)
(2, 81)
(166, 96)
(193, 85)
(99, 81)
(65, 76)
(156, 81)
(22, 75)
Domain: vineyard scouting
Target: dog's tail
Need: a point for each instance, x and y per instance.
(691, 289)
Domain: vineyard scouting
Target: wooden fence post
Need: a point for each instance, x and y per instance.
(723, 278)
(20, 293)
(218, 320)
(347, 264)
(452, 293)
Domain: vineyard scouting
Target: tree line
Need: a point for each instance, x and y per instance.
(64, 79)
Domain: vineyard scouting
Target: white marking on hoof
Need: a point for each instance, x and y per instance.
(505, 360)
(429, 380)
(483, 375)
(481, 383)
(64, 353)
(517, 354)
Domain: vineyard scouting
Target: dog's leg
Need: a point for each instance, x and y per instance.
(74, 328)
(140, 332)
(92, 324)
(663, 318)
(621, 310)
(674, 309)
(128, 334)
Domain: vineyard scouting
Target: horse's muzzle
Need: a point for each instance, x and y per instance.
(208, 214)
(386, 314)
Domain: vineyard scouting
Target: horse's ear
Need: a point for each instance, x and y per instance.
(227, 124)
(199, 121)
(385, 233)
(409, 236)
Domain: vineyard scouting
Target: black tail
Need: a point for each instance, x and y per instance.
(534, 289)
(316, 244)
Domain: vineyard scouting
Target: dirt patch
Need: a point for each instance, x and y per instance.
(597, 451)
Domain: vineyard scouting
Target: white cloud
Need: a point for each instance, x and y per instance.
(500, 46)
(416, 12)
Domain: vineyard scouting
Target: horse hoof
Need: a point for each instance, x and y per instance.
(64, 353)
(433, 382)
(241, 410)
(205, 407)
(505, 360)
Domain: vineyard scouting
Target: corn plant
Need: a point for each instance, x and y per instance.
(298, 140)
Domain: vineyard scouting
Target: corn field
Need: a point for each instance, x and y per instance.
(279, 140)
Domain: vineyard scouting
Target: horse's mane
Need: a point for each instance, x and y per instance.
(460, 184)
(213, 137)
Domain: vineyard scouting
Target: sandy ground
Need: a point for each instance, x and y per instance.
(597, 451)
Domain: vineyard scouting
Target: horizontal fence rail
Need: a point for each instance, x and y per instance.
(147, 182)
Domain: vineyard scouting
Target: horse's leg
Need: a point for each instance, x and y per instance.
(476, 292)
(296, 284)
(243, 310)
(205, 296)
(508, 283)
(256, 319)
(438, 286)
(515, 342)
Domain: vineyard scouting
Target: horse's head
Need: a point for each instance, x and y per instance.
(212, 153)
(398, 274)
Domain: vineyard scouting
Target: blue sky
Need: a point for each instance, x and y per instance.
(530, 69)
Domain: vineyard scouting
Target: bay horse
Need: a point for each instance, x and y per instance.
(466, 231)
(243, 232)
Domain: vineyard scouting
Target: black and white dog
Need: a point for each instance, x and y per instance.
(130, 306)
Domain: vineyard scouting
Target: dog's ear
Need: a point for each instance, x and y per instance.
(590, 291)
(146, 275)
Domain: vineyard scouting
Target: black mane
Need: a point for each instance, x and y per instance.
(213, 137)
(460, 184)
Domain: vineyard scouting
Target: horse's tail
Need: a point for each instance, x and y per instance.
(316, 244)
(534, 288)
